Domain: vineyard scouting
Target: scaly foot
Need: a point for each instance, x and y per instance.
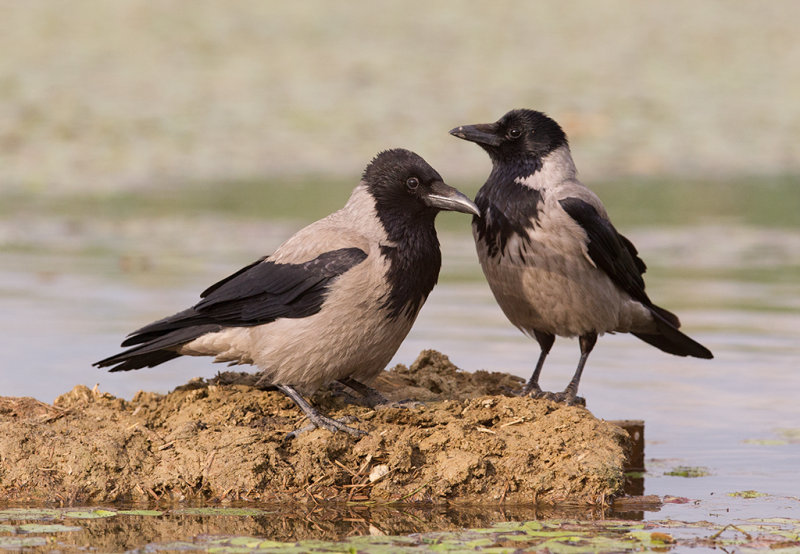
(332, 425)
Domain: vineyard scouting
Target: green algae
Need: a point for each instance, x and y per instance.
(766, 442)
(688, 471)
(90, 514)
(140, 513)
(747, 494)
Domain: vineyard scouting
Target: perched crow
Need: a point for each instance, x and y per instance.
(332, 303)
(554, 261)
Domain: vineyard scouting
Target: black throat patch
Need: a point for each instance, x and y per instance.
(414, 263)
(508, 207)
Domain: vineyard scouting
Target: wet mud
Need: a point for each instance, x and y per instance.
(468, 441)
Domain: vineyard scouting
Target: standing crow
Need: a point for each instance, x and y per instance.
(554, 261)
(332, 303)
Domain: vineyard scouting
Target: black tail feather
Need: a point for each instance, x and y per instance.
(155, 350)
(669, 339)
(666, 315)
(138, 361)
(163, 327)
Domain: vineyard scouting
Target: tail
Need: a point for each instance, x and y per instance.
(158, 342)
(669, 339)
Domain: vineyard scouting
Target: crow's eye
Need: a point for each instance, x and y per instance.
(412, 183)
(514, 133)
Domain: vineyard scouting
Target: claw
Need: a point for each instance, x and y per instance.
(315, 417)
(560, 397)
(325, 422)
(532, 390)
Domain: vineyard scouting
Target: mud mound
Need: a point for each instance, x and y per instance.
(222, 440)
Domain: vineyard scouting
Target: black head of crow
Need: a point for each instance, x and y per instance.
(332, 303)
(407, 189)
(555, 263)
(521, 137)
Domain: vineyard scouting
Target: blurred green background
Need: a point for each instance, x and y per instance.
(201, 104)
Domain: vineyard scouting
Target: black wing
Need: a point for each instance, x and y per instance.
(611, 252)
(617, 257)
(257, 294)
(261, 293)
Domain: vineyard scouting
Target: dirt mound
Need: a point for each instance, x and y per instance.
(223, 440)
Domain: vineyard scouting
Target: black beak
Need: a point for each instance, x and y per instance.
(482, 133)
(445, 197)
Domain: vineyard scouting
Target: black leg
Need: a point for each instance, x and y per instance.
(545, 343)
(570, 393)
(372, 396)
(316, 418)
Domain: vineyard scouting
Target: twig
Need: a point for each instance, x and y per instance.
(344, 467)
(716, 535)
(415, 491)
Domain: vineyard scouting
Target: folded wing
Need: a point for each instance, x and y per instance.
(617, 257)
(257, 294)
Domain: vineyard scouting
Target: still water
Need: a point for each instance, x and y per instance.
(70, 291)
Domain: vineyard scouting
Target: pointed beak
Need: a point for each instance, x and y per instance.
(445, 197)
(482, 133)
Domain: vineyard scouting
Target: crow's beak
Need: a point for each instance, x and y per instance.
(445, 197)
(482, 133)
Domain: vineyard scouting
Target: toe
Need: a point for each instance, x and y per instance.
(330, 424)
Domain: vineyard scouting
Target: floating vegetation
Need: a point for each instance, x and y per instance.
(766, 442)
(790, 435)
(113, 530)
(747, 494)
(140, 512)
(92, 514)
(688, 471)
(221, 512)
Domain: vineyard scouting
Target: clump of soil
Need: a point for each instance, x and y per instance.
(224, 440)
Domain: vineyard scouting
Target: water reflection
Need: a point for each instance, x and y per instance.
(328, 522)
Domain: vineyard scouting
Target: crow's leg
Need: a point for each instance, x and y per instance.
(545, 341)
(570, 394)
(373, 398)
(314, 416)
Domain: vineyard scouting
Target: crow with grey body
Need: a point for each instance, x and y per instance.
(554, 261)
(332, 303)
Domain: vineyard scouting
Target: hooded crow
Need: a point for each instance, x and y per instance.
(332, 303)
(554, 261)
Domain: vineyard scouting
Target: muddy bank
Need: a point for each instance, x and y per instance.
(222, 440)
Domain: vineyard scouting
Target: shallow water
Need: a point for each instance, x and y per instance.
(72, 288)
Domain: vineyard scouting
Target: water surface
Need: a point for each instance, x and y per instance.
(72, 285)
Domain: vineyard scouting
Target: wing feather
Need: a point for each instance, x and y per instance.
(255, 295)
(611, 252)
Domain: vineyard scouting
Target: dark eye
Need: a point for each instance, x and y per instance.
(514, 133)
(412, 183)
